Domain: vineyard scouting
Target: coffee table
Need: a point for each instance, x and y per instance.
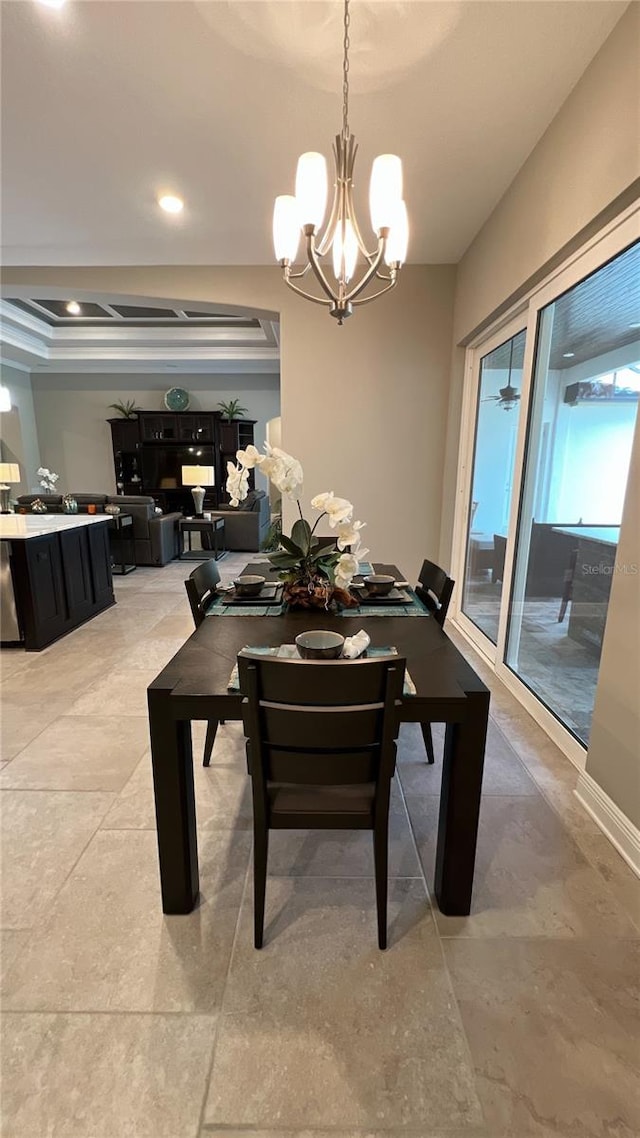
(214, 527)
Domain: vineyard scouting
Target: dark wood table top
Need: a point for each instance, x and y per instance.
(197, 676)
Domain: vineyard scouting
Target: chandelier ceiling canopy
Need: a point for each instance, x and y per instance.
(304, 213)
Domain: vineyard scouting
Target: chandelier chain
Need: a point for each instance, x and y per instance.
(345, 72)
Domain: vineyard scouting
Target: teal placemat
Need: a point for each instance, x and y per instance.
(290, 652)
(218, 607)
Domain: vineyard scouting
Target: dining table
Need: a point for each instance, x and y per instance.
(194, 685)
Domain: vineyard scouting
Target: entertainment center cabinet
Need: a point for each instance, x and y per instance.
(149, 451)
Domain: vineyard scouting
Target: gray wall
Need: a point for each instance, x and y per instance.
(588, 156)
(18, 430)
(614, 751)
(364, 407)
(72, 411)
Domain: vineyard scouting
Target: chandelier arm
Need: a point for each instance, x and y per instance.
(315, 265)
(302, 273)
(306, 295)
(351, 213)
(329, 232)
(375, 295)
(371, 271)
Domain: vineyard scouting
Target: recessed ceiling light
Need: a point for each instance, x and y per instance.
(170, 203)
(568, 355)
(53, 3)
(73, 308)
(635, 324)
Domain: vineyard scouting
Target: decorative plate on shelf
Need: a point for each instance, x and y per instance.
(176, 399)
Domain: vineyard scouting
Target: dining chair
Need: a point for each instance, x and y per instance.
(321, 751)
(201, 591)
(434, 588)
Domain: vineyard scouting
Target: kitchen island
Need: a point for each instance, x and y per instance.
(55, 574)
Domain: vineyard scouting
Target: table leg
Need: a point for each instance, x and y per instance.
(172, 762)
(460, 807)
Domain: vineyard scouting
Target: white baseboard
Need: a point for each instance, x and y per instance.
(610, 819)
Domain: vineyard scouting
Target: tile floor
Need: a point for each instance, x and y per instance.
(516, 1022)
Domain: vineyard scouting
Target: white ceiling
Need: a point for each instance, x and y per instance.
(109, 101)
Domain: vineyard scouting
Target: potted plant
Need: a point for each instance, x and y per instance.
(314, 575)
(232, 409)
(127, 408)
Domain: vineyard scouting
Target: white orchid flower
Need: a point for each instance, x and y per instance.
(250, 457)
(320, 500)
(237, 486)
(349, 534)
(339, 510)
(346, 569)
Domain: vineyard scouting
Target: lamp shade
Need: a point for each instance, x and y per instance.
(5, 398)
(345, 254)
(385, 190)
(9, 472)
(286, 228)
(398, 239)
(198, 476)
(311, 188)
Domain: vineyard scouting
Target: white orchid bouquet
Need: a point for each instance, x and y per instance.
(47, 479)
(301, 557)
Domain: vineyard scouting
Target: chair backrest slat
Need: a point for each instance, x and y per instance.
(200, 585)
(435, 588)
(320, 724)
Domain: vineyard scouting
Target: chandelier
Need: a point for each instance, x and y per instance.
(305, 213)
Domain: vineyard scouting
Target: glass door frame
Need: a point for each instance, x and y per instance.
(613, 239)
(516, 322)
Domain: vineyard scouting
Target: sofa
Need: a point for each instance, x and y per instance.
(156, 537)
(246, 525)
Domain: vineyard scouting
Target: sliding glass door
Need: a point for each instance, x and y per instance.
(494, 450)
(580, 433)
(549, 424)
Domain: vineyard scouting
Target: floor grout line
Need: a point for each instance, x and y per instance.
(220, 1014)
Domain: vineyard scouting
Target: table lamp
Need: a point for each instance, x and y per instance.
(193, 476)
(9, 472)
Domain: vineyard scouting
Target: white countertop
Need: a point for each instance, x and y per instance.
(20, 527)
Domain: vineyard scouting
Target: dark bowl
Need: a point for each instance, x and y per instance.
(249, 585)
(319, 645)
(379, 584)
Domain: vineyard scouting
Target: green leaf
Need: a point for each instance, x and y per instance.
(301, 535)
(324, 553)
(291, 546)
(283, 560)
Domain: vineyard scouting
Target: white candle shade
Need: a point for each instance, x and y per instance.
(286, 228)
(311, 188)
(398, 239)
(344, 259)
(385, 190)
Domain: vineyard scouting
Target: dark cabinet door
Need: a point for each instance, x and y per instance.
(42, 600)
(125, 434)
(195, 428)
(74, 546)
(158, 427)
(100, 563)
